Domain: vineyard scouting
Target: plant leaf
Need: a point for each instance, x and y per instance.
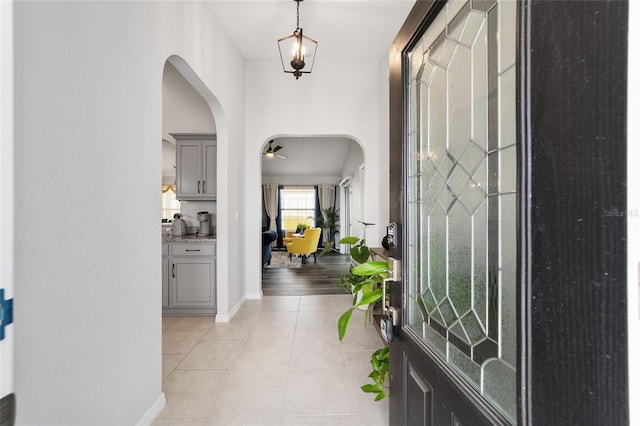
(370, 297)
(356, 288)
(370, 268)
(382, 353)
(371, 388)
(381, 395)
(374, 363)
(343, 323)
(360, 253)
(367, 286)
(349, 240)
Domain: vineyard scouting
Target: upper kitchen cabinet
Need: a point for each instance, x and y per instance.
(196, 157)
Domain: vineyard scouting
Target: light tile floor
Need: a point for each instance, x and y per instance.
(278, 362)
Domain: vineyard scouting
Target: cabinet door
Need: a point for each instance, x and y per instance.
(165, 282)
(192, 283)
(188, 170)
(210, 158)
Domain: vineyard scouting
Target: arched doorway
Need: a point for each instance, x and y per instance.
(301, 185)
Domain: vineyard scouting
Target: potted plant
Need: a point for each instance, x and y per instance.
(364, 281)
(329, 221)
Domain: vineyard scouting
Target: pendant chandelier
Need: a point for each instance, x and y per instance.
(297, 51)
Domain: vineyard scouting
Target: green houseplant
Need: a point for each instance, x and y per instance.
(329, 221)
(364, 282)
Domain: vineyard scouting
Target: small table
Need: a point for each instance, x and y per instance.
(381, 252)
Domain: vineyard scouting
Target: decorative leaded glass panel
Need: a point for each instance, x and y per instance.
(461, 176)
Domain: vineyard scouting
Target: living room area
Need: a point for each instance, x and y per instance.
(312, 195)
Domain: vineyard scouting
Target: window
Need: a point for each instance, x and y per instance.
(297, 205)
(169, 203)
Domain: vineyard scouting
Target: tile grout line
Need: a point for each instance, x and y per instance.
(331, 311)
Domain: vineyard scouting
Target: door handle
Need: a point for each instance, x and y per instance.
(173, 270)
(204, 186)
(198, 187)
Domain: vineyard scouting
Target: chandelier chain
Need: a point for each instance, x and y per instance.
(297, 14)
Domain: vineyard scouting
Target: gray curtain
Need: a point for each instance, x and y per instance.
(270, 191)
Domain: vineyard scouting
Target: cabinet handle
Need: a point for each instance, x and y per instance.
(192, 250)
(173, 270)
(204, 186)
(198, 187)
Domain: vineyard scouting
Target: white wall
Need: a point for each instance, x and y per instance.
(6, 188)
(336, 99)
(352, 161)
(184, 110)
(352, 164)
(383, 157)
(88, 125)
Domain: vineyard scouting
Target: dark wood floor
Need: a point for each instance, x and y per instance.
(311, 278)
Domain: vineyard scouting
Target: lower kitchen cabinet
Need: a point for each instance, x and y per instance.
(192, 283)
(191, 279)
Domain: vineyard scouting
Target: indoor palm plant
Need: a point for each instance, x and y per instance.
(329, 221)
(364, 282)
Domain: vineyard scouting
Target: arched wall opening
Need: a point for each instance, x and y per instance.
(336, 162)
(195, 119)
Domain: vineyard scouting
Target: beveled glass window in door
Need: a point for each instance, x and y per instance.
(461, 203)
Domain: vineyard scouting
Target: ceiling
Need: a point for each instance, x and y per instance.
(308, 156)
(344, 29)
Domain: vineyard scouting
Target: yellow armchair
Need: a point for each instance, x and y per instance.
(304, 246)
(288, 237)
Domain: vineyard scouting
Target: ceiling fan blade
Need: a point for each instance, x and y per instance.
(277, 148)
(281, 156)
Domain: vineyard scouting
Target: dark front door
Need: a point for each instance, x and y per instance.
(508, 177)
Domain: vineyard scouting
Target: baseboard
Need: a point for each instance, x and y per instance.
(153, 411)
(254, 296)
(232, 313)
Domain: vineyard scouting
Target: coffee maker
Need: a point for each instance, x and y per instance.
(203, 217)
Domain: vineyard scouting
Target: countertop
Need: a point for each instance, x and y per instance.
(188, 239)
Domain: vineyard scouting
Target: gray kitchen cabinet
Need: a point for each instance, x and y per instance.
(196, 158)
(192, 283)
(209, 170)
(191, 270)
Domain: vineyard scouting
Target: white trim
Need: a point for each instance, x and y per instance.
(232, 313)
(254, 296)
(153, 412)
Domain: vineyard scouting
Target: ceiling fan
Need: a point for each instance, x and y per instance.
(272, 152)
